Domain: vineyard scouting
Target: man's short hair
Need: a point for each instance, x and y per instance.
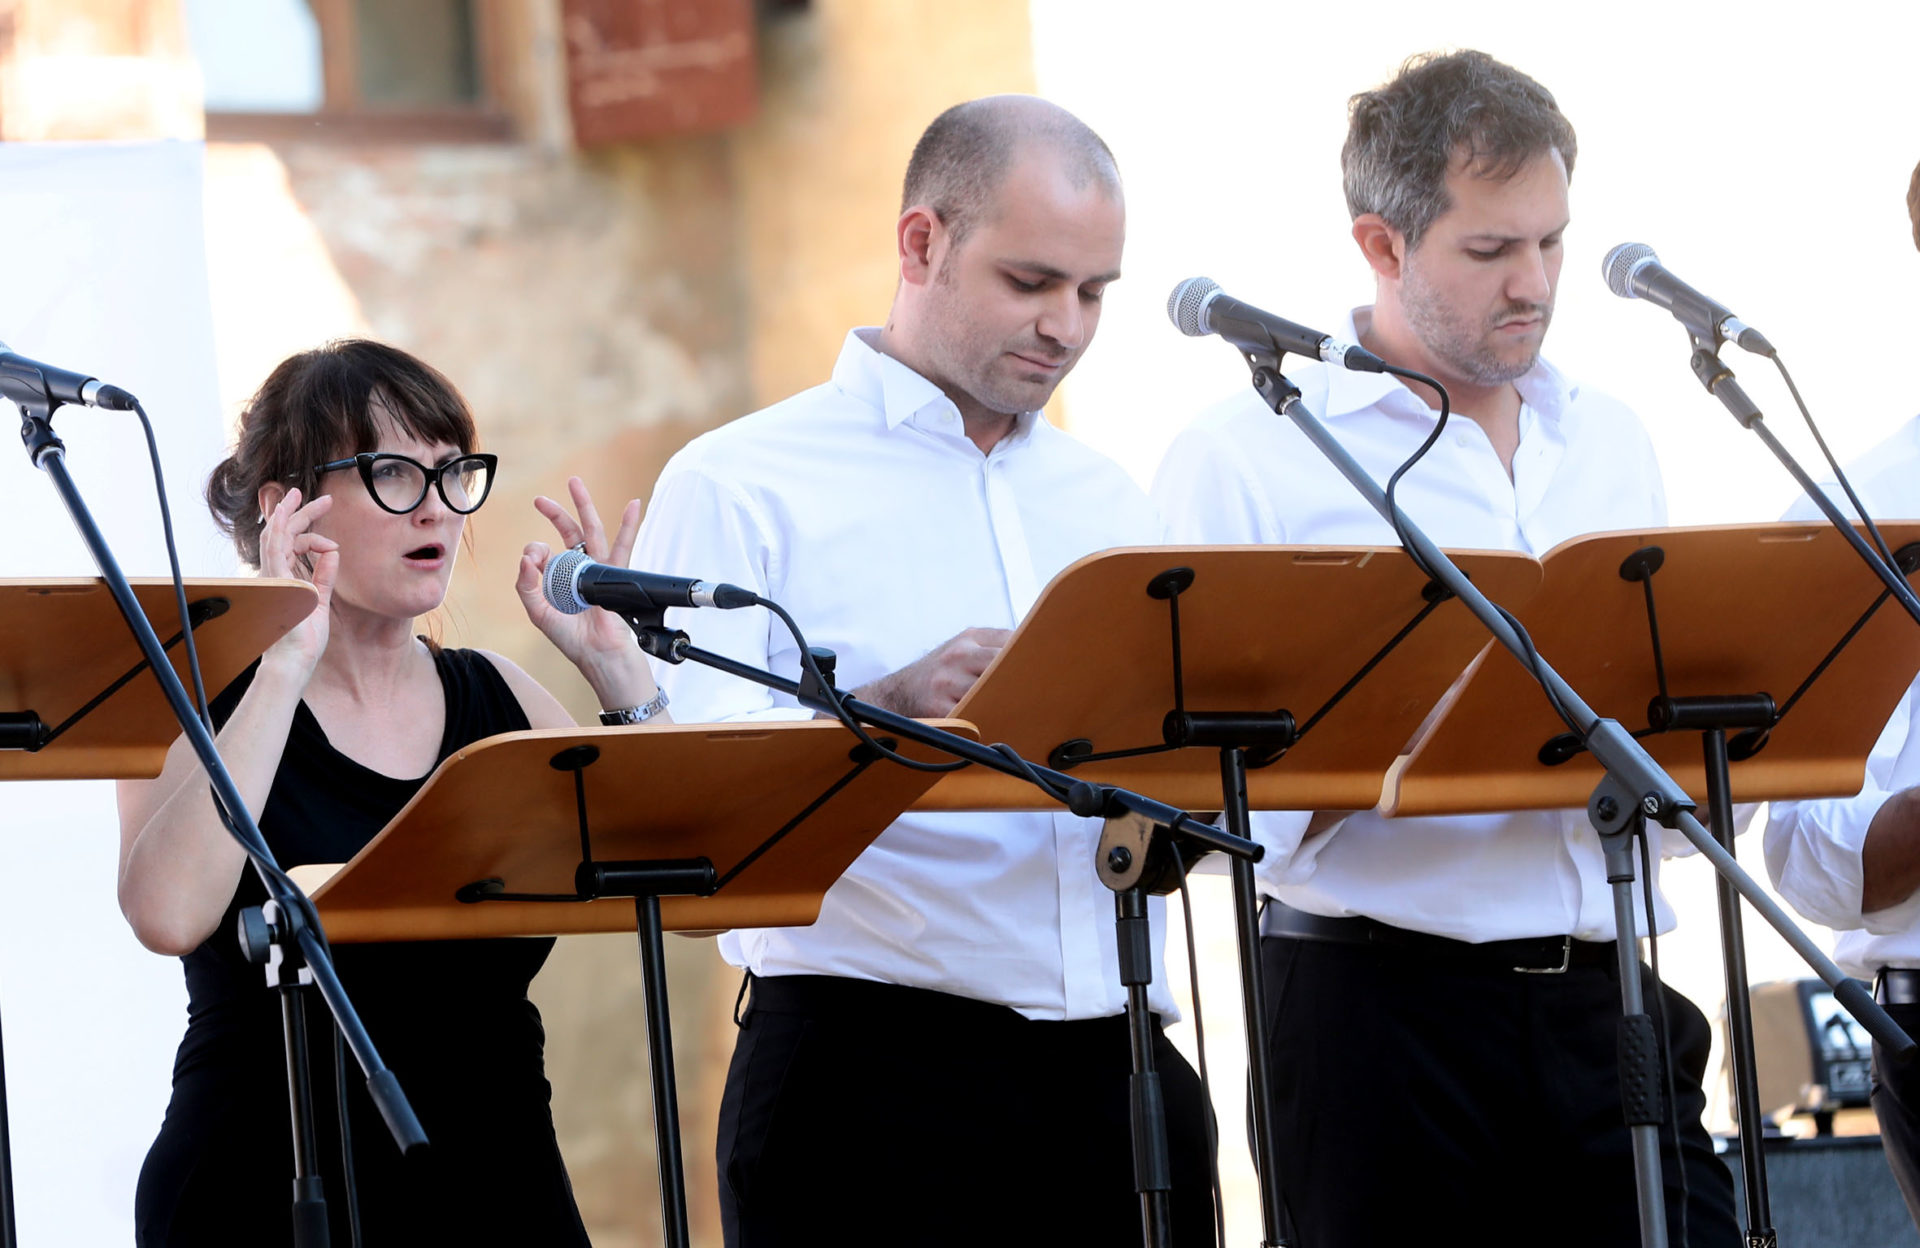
(960, 160)
(1404, 136)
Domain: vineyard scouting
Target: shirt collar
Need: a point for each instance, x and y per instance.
(1543, 387)
(901, 394)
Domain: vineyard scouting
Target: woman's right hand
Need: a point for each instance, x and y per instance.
(290, 548)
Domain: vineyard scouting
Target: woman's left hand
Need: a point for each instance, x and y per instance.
(598, 642)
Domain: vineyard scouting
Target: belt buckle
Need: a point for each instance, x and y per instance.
(1566, 960)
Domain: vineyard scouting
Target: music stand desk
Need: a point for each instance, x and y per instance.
(63, 643)
(500, 809)
(1748, 608)
(1261, 628)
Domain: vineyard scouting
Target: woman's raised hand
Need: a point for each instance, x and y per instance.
(290, 548)
(594, 638)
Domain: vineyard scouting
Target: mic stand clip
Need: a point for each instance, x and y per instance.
(269, 938)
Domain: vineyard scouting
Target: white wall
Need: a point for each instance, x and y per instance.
(106, 273)
(1764, 155)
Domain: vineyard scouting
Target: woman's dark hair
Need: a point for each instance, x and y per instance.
(318, 406)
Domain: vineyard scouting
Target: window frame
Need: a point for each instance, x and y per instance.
(344, 117)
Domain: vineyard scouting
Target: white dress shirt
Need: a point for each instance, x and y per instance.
(1241, 474)
(1813, 847)
(862, 508)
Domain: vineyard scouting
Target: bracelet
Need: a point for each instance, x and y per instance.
(635, 714)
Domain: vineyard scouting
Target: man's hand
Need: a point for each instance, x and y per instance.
(1890, 856)
(932, 686)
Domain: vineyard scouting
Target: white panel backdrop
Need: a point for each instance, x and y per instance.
(106, 273)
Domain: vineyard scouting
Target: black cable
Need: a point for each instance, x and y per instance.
(1027, 772)
(1859, 509)
(1406, 543)
(350, 1187)
(1200, 1045)
(173, 562)
(1393, 482)
(1660, 1022)
(1538, 670)
(834, 700)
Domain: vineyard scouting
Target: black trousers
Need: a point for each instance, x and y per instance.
(859, 1113)
(1896, 1103)
(1421, 1098)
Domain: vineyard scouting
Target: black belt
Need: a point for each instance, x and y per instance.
(846, 997)
(1542, 955)
(1894, 986)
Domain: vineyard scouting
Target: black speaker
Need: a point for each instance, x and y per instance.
(1829, 1192)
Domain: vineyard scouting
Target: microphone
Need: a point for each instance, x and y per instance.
(1634, 272)
(573, 582)
(1197, 307)
(33, 384)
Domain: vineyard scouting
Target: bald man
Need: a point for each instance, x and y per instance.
(946, 1045)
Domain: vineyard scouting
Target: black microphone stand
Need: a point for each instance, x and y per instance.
(1635, 789)
(296, 928)
(1132, 859)
(1718, 380)
(1721, 384)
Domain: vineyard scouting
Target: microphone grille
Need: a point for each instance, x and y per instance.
(1619, 265)
(1187, 305)
(563, 571)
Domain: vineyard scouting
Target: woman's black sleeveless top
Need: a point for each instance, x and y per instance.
(451, 1018)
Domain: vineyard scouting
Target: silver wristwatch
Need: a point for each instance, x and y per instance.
(635, 714)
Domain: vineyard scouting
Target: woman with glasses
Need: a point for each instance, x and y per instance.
(355, 470)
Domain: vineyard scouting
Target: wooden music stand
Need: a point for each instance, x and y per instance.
(1182, 672)
(505, 809)
(1743, 609)
(1261, 627)
(1773, 632)
(65, 653)
(691, 827)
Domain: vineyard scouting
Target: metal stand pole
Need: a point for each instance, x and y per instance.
(1152, 1164)
(265, 938)
(1617, 817)
(1233, 784)
(647, 882)
(666, 1101)
(1733, 950)
(8, 1236)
